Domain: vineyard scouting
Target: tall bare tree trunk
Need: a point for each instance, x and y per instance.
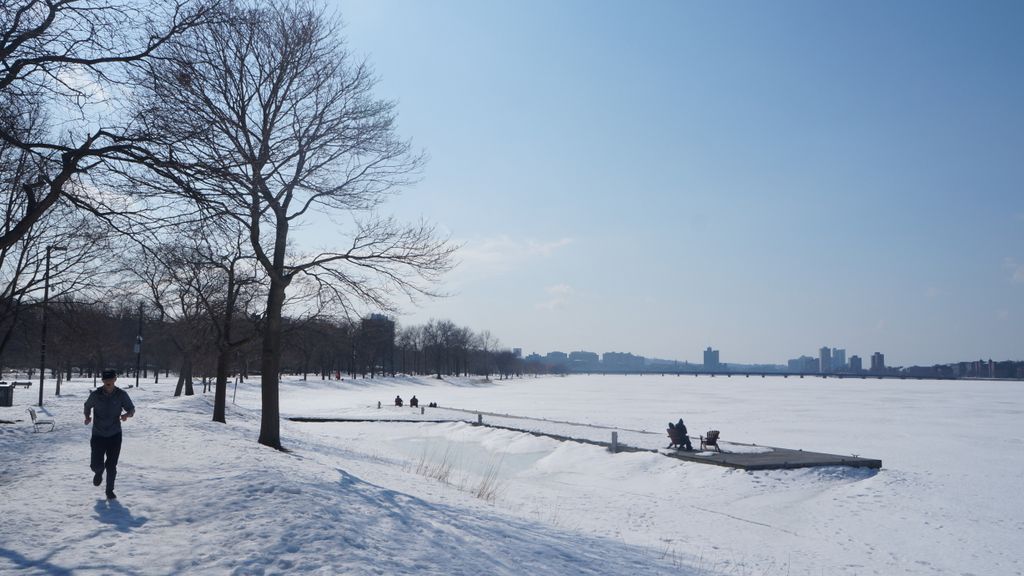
(224, 351)
(220, 392)
(270, 362)
(185, 377)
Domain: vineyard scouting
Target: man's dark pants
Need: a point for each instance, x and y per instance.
(110, 447)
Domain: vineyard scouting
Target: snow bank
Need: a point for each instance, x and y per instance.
(452, 498)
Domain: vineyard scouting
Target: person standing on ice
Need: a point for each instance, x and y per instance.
(111, 406)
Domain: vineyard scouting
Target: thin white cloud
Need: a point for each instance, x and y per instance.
(503, 253)
(91, 99)
(559, 289)
(558, 295)
(80, 79)
(548, 248)
(1016, 270)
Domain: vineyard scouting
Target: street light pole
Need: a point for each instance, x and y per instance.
(46, 297)
(138, 349)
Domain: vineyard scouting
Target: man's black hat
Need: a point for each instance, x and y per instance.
(108, 374)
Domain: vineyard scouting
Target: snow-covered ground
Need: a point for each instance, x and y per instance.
(422, 497)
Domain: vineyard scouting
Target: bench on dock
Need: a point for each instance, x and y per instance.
(675, 437)
(710, 440)
(38, 421)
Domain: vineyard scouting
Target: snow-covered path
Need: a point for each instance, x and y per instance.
(196, 497)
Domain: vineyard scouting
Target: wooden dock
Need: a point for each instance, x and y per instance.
(772, 459)
(734, 454)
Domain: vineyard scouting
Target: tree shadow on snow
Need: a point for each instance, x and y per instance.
(43, 566)
(479, 542)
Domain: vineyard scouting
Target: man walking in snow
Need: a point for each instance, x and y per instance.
(111, 406)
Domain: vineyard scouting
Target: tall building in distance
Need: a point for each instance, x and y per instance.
(838, 359)
(711, 361)
(825, 360)
(803, 365)
(856, 365)
(878, 362)
(622, 361)
(582, 361)
(557, 358)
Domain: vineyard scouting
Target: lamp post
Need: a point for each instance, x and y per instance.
(46, 297)
(138, 349)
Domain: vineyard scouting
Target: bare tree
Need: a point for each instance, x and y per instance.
(87, 338)
(214, 267)
(160, 275)
(409, 344)
(239, 282)
(75, 247)
(485, 344)
(271, 122)
(507, 363)
(74, 241)
(313, 344)
(199, 280)
(72, 55)
(441, 340)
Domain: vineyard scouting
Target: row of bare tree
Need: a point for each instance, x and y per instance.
(86, 338)
(168, 149)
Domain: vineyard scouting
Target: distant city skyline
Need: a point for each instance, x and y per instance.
(829, 362)
(824, 362)
(654, 177)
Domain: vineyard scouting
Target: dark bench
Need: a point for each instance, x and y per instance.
(679, 440)
(675, 437)
(23, 384)
(710, 440)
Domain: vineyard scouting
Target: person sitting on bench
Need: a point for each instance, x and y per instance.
(398, 400)
(673, 436)
(683, 438)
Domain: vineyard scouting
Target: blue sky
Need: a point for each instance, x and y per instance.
(763, 178)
